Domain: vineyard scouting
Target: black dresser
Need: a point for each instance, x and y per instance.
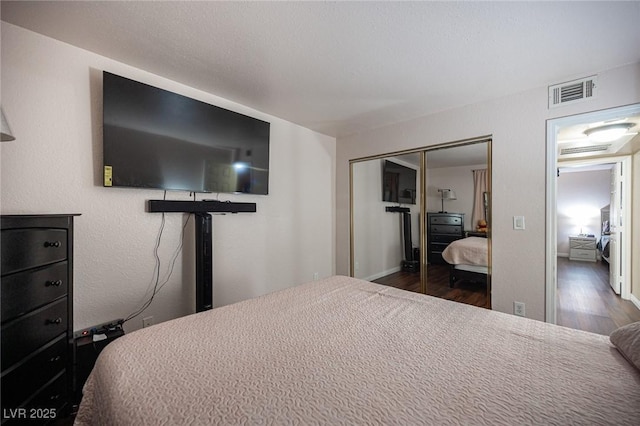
(442, 229)
(37, 316)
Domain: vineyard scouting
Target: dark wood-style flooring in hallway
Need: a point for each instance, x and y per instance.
(585, 301)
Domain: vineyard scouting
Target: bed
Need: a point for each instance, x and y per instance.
(347, 351)
(603, 247)
(469, 260)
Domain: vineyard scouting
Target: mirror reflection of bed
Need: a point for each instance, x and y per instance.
(468, 260)
(451, 178)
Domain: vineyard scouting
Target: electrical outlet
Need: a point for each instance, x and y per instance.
(357, 266)
(518, 309)
(147, 321)
(316, 276)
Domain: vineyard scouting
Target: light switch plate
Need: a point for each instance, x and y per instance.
(518, 222)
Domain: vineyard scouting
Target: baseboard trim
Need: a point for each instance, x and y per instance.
(383, 274)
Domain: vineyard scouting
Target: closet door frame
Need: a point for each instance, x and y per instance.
(423, 152)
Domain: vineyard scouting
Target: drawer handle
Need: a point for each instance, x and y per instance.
(54, 321)
(56, 283)
(52, 244)
(55, 359)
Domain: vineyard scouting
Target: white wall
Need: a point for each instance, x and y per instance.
(52, 94)
(580, 197)
(517, 125)
(460, 180)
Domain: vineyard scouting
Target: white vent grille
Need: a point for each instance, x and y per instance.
(584, 149)
(572, 91)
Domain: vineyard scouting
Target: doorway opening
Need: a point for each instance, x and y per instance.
(589, 221)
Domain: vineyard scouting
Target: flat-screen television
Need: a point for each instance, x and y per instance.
(398, 183)
(153, 138)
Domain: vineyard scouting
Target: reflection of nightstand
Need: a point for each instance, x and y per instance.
(582, 248)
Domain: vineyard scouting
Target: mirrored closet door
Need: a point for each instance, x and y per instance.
(417, 216)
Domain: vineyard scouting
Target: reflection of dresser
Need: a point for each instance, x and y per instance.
(37, 308)
(442, 229)
(582, 248)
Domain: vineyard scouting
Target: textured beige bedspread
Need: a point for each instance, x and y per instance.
(467, 251)
(346, 351)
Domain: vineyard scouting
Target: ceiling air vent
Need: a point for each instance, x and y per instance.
(584, 149)
(572, 91)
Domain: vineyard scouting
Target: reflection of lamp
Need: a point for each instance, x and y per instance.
(5, 135)
(446, 194)
(608, 133)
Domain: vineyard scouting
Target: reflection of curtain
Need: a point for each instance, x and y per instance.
(479, 188)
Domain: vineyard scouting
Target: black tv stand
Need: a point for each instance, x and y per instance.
(204, 238)
(410, 263)
(204, 262)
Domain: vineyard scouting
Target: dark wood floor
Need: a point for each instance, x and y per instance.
(467, 292)
(585, 301)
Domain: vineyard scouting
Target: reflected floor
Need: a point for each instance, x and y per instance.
(468, 292)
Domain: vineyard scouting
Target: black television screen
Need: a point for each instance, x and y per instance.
(398, 183)
(153, 138)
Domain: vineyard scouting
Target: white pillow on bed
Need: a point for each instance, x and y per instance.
(627, 340)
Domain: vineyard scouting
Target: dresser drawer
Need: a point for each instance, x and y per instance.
(438, 247)
(24, 291)
(47, 405)
(586, 244)
(27, 333)
(581, 254)
(446, 229)
(444, 238)
(21, 382)
(30, 247)
(445, 220)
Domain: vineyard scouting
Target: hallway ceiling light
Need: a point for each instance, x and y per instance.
(609, 132)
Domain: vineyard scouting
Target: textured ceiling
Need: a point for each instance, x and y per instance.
(343, 67)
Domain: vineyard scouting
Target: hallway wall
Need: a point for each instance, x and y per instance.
(581, 195)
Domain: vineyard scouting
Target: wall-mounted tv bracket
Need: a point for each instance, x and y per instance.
(409, 264)
(204, 238)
